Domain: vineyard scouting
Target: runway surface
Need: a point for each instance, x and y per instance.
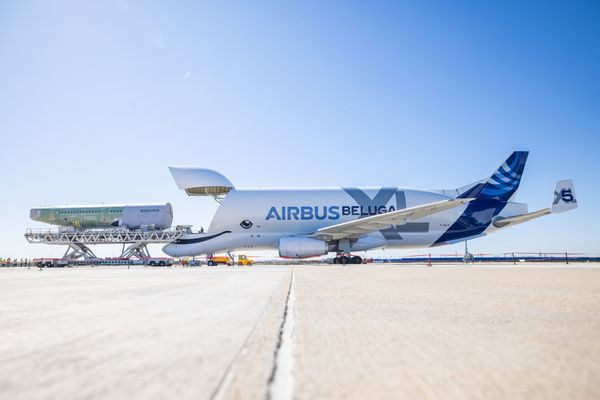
(374, 331)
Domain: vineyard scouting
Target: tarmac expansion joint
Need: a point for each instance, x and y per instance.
(281, 381)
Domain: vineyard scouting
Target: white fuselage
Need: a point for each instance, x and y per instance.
(258, 218)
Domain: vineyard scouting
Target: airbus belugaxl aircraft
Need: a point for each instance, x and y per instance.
(311, 222)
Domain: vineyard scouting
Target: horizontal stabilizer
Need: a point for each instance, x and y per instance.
(564, 200)
(518, 219)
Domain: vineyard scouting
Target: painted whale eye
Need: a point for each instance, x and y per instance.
(246, 224)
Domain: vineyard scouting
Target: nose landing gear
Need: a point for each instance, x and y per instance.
(347, 259)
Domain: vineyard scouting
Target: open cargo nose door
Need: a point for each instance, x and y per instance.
(201, 182)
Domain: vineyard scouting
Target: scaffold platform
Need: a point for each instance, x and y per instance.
(134, 242)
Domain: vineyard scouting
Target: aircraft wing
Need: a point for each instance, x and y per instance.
(378, 222)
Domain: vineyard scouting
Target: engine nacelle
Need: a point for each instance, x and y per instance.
(299, 247)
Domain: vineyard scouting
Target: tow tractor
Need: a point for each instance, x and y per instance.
(53, 262)
(243, 260)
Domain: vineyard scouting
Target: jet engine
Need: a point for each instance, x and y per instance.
(300, 246)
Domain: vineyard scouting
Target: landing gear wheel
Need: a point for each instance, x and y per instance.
(336, 260)
(356, 260)
(345, 260)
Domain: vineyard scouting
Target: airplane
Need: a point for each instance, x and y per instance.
(311, 222)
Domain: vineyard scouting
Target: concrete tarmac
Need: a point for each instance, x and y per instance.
(113, 333)
(373, 331)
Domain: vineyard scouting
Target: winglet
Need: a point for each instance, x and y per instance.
(564, 197)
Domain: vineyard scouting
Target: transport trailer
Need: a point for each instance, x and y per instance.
(114, 261)
(71, 262)
(152, 261)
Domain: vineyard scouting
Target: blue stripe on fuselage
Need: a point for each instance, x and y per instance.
(474, 220)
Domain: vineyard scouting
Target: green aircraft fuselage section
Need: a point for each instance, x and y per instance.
(79, 217)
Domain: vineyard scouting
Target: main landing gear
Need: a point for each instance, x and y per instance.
(347, 259)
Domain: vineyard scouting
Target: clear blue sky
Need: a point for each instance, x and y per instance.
(98, 98)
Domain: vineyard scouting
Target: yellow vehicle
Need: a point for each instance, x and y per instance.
(243, 260)
(216, 260)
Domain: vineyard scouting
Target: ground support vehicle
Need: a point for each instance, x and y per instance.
(216, 260)
(244, 261)
(159, 262)
(53, 262)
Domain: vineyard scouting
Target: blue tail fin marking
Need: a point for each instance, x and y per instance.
(504, 182)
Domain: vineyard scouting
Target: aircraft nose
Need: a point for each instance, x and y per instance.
(172, 250)
(34, 214)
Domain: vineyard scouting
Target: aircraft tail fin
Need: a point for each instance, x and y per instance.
(564, 197)
(503, 183)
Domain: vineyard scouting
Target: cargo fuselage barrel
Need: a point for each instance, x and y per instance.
(159, 216)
